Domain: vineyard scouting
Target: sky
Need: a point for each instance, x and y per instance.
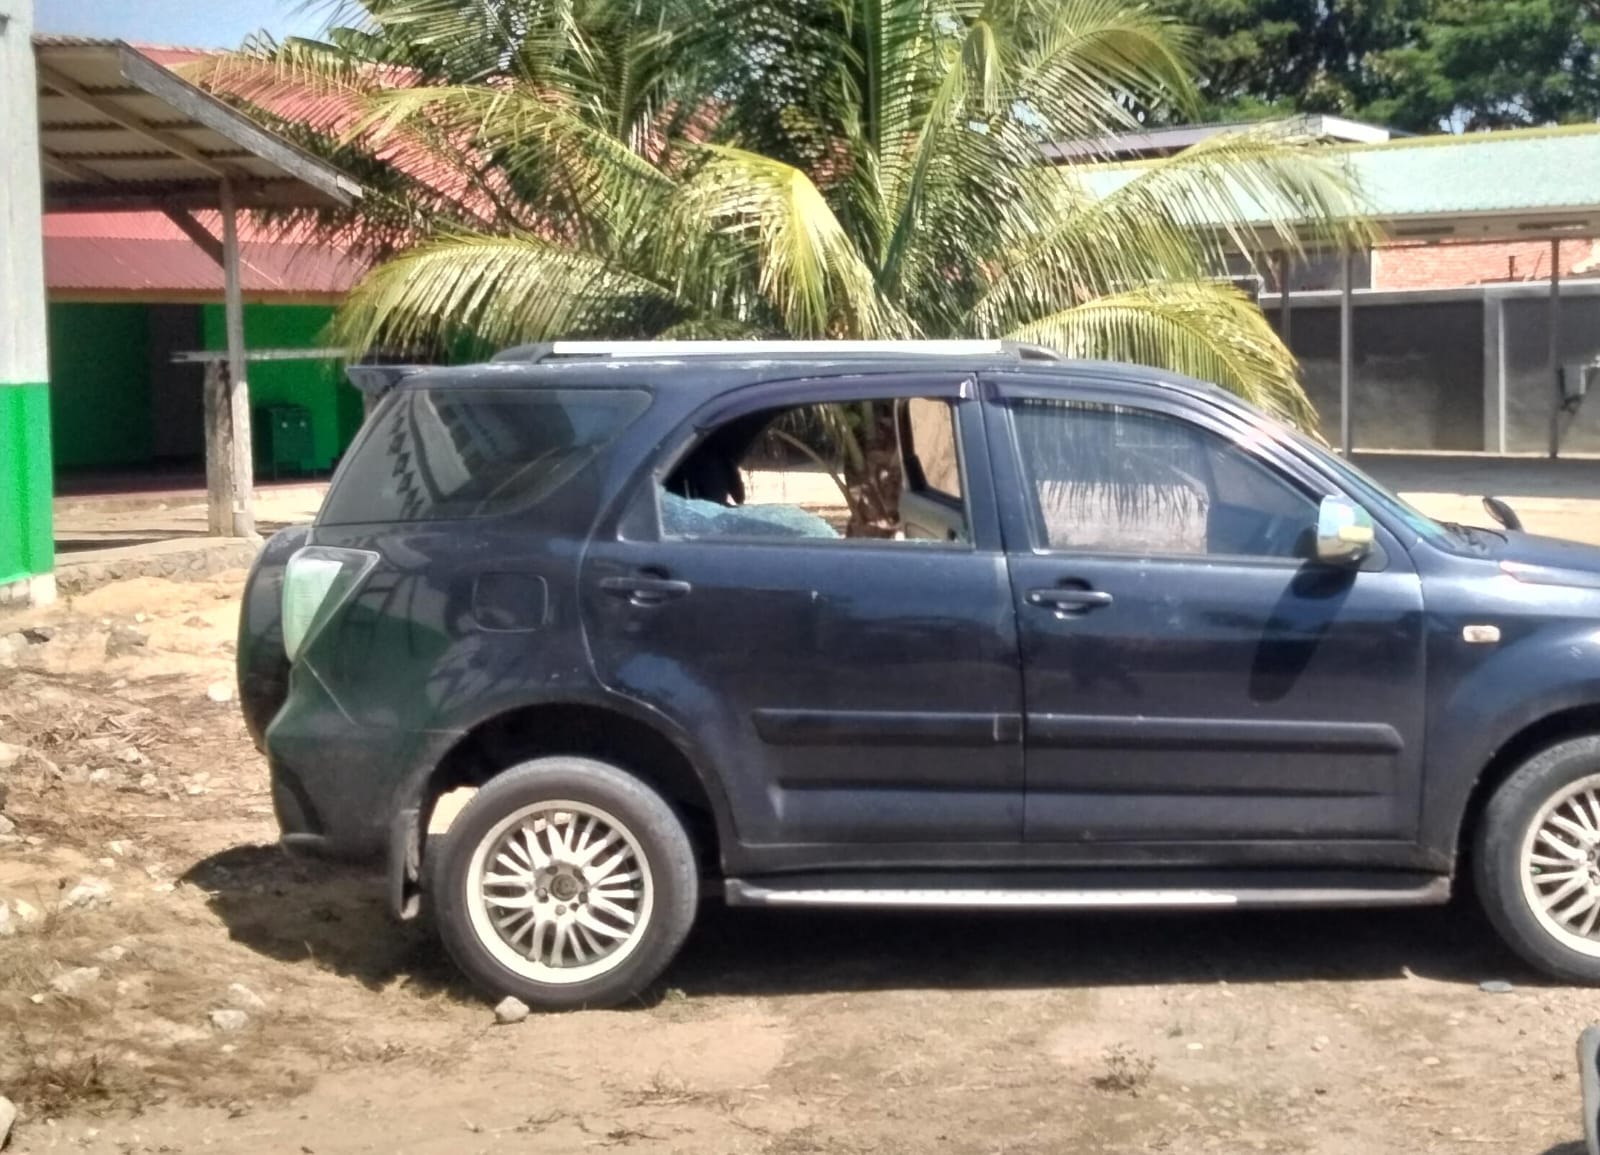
(190, 23)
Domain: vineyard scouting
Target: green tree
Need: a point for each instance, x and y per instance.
(1419, 65)
(848, 168)
(1478, 64)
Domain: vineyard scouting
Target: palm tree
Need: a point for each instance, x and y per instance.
(810, 168)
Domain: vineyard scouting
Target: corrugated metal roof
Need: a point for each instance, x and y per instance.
(117, 128)
(1516, 183)
(145, 254)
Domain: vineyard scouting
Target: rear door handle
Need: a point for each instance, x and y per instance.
(645, 591)
(1066, 599)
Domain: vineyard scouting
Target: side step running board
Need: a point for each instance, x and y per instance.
(1413, 892)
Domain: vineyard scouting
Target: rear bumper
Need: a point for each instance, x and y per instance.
(338, 786)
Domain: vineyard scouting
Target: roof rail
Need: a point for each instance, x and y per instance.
(376, 380)
(551, 350)
(1028, 351)
(526, 353)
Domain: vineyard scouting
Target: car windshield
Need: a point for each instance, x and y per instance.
(1371, 492)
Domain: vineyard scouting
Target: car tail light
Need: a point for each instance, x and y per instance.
(315, 582)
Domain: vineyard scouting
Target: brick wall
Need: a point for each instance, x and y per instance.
(1454, 265)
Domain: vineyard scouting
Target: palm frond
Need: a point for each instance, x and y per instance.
(1178, 218)
(1268, 187)
(807, 267)
(321, 79)
(499, 290)
(1088, 65)
(1206, 330)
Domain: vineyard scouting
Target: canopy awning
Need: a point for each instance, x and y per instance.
(118, 130)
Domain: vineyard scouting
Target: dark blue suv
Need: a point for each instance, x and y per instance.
(590, 631)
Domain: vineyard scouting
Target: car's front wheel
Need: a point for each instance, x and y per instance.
(1538, 860)
(565, 882)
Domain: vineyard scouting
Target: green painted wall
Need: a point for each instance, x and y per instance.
(318, 385)
(100, 375)
(101, 390)
(26, 547)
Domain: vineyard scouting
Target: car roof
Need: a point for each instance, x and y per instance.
(709, 369)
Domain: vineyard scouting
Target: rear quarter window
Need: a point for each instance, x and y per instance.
(449, 454)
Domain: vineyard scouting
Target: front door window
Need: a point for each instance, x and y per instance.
(1111, 479)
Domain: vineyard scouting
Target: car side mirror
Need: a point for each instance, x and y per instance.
(1344, 532)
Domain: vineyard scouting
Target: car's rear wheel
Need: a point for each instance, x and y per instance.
(1538, 860)
(565, 882)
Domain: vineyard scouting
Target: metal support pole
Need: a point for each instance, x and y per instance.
(241, 496)
(1555, 346)
(1285, 312)
(1345, 329)
(1502, 366)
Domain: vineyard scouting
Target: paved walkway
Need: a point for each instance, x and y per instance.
(164, 533)
(1560, 498)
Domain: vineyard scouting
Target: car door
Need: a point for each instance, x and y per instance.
(847, 692)
(1190, 676)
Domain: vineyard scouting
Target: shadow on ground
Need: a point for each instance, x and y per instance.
(772, 952)
(295, 911)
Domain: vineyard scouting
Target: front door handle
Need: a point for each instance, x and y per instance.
(642, 590)
(1068, 599)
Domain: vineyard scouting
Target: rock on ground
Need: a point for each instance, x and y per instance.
(10, 755)
(229, 1020)
(220, 691)
(510, 1010)
(8, 1116)
(124, 638)
(74, 981)
(89, 892)
(242, 996)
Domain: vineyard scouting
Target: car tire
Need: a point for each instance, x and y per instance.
(1537, 861)
(565, 882)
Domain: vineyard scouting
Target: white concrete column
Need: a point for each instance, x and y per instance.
(27, 551)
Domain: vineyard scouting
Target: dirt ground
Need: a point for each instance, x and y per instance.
(143, 893)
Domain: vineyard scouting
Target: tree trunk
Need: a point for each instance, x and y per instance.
(874, 483)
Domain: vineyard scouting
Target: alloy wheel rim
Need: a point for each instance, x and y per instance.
(560, 892)
(1560, 866)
